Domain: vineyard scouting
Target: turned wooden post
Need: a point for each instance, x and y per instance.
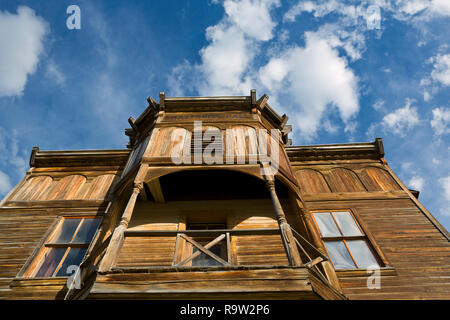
(117, 238)
(286, 233)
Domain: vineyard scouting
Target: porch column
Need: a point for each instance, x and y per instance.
(117, 238)
(286, 233)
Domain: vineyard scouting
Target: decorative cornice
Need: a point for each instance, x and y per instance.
(218, 103)
(364, 150)
(78, 158)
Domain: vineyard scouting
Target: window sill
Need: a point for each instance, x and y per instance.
(384, 271)
(28, 282)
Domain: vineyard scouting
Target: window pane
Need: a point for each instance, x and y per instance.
(66, 231)
(326, 224)
(86, 231)
(219, 249)
(51, 260)
(339, 255)
(73, 258)
(205, 260)
(361, 253)
(347, 223)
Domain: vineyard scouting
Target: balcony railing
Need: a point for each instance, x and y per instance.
(313, 256)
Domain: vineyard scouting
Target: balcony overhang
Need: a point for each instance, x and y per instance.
(221, 283)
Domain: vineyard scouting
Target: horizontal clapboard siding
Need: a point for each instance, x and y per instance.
(416, 249)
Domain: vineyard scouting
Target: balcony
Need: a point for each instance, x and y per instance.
(220, 274)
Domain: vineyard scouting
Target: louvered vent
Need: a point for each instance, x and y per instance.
(215, 142)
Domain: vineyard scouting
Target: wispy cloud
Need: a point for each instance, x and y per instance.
(5, 184)
(441, 121)
(416, 183)
(54, 73)
(11, 157)
(445, 183)
(402, 119)
(441, 69)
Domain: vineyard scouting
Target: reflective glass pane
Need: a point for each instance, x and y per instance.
(326, 224)
(66, 231)
(51, 260)
(361, 253)
(73, 258)
(339, 255)
(86, 231)
(347, 223)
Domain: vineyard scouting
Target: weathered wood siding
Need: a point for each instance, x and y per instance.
(149, 251)
(417, 252)
(32, 209)
(259, 249)
(344, 178)
(236, 214)
(222, 284)
(20, 233)
(68, 187)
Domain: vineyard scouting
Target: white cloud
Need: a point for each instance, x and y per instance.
(416, 183)
(272, 74)
(252, 17)
(418, 10)
(5, 184)
(11, 157)
(441, 121)
(411, 7)
(233, 43)
(445, 183)
(54, 73)
(440, 7)
(379, 104)
(435, 161)
(316, 78)
(401, 119)
(21, 43)
(441, 69)
(224, 61)
(347, 32)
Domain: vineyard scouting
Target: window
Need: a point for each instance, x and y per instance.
(345, 241)
(219, 249)
(65, 247)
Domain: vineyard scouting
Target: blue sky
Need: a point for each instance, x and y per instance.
(343, 71)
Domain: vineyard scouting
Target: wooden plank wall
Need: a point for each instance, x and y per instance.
(171, 141)
(412, 245)
(259, 249)
(149, 251)
(32, 209)
(20, 233)
(237, 214)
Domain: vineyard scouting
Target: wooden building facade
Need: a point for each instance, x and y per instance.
(210, 201)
